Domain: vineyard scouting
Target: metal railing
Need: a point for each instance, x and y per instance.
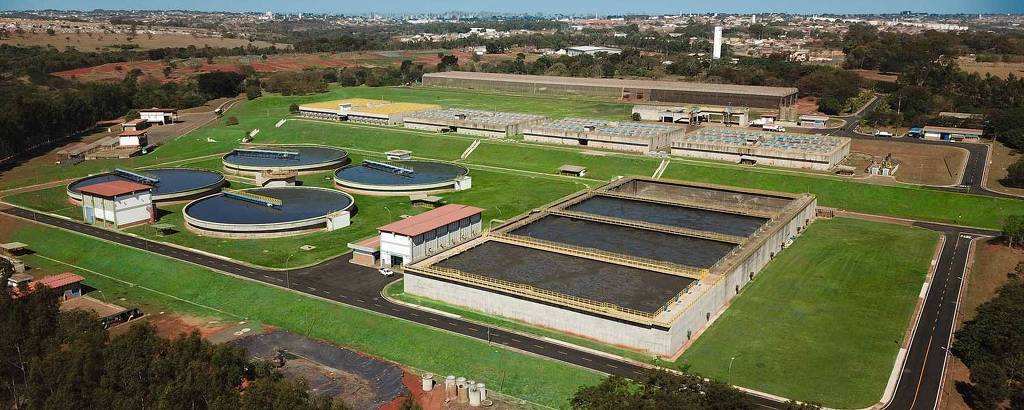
(590, 305)
(695, 233)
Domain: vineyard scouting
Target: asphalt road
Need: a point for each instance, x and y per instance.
(338, 280)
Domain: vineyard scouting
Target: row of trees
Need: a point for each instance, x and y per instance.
(38, 114)
(66, 360)
(658, 389)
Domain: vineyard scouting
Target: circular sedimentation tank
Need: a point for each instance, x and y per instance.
(169, 184)
(250, 161)
(268, 212)
(402, 177)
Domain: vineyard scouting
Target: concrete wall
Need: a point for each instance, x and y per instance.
(686, 321)
(793, 159)
(122, 210)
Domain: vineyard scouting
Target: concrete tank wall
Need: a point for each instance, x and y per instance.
(709, 302)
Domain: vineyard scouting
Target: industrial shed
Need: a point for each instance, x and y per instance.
(764, 148)
(379, 112)
(781, 98)
(619, 136)
(491, 124)
(417, 237)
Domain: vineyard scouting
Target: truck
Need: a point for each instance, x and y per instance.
(773, 128)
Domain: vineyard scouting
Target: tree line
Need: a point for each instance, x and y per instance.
(67, 360)
(992, 345)
(37, 114)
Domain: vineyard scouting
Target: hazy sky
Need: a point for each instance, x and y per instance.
(542, 6)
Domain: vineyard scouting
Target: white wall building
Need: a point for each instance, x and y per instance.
(132, 138)
(417, 237)
(159, 115)
(118, 203)
(716, 52)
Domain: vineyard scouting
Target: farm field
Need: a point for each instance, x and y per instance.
(541, 381)
(996, 69)
(182, 69)
(795, 324)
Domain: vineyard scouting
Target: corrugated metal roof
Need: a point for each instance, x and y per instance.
(132, 133)
(613, 82)
(953, 130)
(432, 219)
(57, 281)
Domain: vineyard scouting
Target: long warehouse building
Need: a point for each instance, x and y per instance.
(780, 98)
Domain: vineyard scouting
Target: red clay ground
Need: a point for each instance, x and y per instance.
(992, 261)
(185, 69)
(920, 163)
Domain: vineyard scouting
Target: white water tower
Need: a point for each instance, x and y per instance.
(716, 52)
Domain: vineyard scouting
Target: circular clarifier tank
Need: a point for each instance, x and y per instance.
(402, 177)
(250, 161)
(269, 212)
(169, 184)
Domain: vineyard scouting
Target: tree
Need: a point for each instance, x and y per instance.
(1013, 230)
(253, 89)
(1015, 174)
(658, 389)
(219, 84)
(167, 71)
(232, 120)
(293, 108)
(992, 347)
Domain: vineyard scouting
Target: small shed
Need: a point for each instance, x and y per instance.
(366, 252)
(119, 203)
(135, 138)
(573, 170)
(426, 201)
(398, 154)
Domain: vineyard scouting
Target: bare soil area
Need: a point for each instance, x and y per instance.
(919, 163)
(1002, 157)
(997, 69)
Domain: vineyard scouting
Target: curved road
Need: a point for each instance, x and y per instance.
(338, 280)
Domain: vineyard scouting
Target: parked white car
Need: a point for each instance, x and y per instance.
(386, 272)
(883, 134)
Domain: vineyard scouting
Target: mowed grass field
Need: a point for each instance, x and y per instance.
(542, 381)
(823, 322)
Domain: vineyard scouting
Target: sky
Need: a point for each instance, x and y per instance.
(599, 7)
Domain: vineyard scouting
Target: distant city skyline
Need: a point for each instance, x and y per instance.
(599, 7)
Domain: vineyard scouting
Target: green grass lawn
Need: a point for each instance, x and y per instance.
(904, 201)
(538, 380)
(551, 106)
(824, 321)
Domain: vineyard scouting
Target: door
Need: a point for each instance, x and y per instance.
(90, 218)
(396, 261)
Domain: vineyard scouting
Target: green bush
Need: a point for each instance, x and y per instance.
(231, 121)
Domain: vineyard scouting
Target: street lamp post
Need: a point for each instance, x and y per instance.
(729, 379)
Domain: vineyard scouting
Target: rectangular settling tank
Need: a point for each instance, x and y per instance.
(628, 287)
(670, 215)
(641, 243)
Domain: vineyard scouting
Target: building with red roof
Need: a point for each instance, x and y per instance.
(118, 203)
(133, 138)
(68, 285)
(417, 237)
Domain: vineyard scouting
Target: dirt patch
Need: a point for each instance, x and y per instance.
(919, 163)
(1002, 157)
(876, 75)
(806, 106)
(1001, 70)
(992, 261)
(170, 325)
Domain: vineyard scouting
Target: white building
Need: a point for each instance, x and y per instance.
(132, 138)
(159, 115)
(118, 203)
(591, 50)
(417, 237)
